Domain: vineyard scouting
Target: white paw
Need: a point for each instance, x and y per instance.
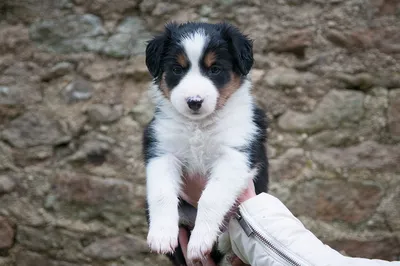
(163, 238)
(200, 244)
(224, 243)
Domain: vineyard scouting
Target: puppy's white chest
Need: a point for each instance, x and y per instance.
(202, 148)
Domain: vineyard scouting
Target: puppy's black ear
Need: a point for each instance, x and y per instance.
(155, 50)
(240, 46)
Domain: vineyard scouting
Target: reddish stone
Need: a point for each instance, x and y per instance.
(387, 7)
(116, 247)
(361, 39)
(367, 155)
(385, 249)
(7, 233)
(27, 258)
(336, 200)
(394, 113)
(289, 165)
(384, 39)
(295, 42)
(79, 188)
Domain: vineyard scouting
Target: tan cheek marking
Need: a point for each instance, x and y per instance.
(164, 88)
(226, 92)
(210, 59)
(182, 60)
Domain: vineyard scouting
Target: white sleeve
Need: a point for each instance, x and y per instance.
(266, 233)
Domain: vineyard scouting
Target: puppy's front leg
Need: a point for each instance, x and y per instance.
(229, 177)
(163, 184)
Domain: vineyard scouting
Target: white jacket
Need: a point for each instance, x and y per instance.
(266, 233)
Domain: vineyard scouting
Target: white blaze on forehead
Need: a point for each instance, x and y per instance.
(194, 45)
(194, 85)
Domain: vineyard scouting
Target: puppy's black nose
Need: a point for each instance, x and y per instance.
(194, 104)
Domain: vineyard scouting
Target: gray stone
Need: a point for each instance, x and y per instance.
(39, 239)
(257, 75)
(375, 247)
(147, 6)
(19, 88)
(332, 138)
(4, 90)
(21, 92)
(72, 33)
(6, 157)
(375, 118)
(60, 69)
(97, 194)
(163, 8)
(288, 78)
(100, 113)
(288, 165)
(28, 258)
(93, 151)
(144, 110)
(272, 100)
(205, 10)
(99, 71)
(334, 109)
(7, 261)
(361, 81)
(6, 184)
(116, 247)
(367, 155)
(394, 113)
(34, 154)
(33, 129)
(137, 70)
(108, 8)
(390, 208)
(7, 233)
(129, 40)
(78, 90)
(319, 199)
(30, 10)
(24, 212)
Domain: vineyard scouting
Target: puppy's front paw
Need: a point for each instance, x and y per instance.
(224, 243)
(163, 238)
(200, 244)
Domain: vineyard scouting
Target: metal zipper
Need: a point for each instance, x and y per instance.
(249, 230)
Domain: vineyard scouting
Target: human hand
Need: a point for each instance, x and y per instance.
(192, 189)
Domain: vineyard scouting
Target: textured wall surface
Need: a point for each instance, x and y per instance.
(73, 106)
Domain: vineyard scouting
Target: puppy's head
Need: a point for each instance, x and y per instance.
(198, 66)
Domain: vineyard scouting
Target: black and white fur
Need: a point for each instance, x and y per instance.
(206, 125)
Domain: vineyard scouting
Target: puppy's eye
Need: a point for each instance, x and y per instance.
(215, 70)
(177, 70)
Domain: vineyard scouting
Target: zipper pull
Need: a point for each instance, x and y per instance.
(245, 226)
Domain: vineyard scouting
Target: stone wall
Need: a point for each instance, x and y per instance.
(73, 106)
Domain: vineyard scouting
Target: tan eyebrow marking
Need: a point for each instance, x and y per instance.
(210, 59)
(229, 89)
(164, 88)
(182, 61)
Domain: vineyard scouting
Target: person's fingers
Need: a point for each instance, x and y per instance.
(183, 239)
(248, 193)
(235, 261)
(192, 187)
(209, 261)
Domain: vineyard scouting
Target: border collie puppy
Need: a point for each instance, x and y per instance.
(206, 125)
